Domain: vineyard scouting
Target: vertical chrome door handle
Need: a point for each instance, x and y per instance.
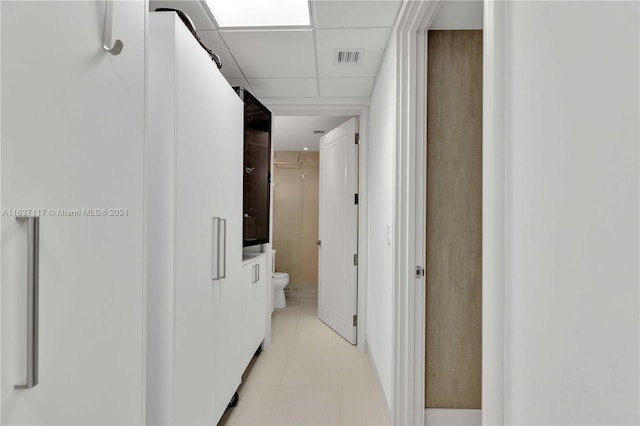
(258, 268)
(33, 271)
(253, 280)
(215, 249)
(108, 27)
(224, 249)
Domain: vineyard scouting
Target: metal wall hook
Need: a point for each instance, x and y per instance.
(108, 26)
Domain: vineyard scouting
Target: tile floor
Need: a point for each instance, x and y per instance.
(309, 376)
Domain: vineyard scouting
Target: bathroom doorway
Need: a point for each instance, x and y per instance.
(296, 198)
(297, 212)
(295, 220)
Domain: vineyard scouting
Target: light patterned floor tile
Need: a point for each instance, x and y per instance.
(314, 333)
(269, 367)
(354, 369)
(361, 407)
(322, 378)
(306, 406)
(311, 366)
(283, 331)
(254, 407)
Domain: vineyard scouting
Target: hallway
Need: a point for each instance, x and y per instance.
(309, 375)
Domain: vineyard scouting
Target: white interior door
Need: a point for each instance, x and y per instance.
(72, 139)
(338, 233)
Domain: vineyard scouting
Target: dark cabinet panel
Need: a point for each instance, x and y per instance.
(257, 170)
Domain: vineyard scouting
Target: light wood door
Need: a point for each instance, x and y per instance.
(72, 145)
(338, 230)
(454, 220)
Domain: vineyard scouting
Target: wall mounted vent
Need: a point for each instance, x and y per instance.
(348, 56)
(319, 132)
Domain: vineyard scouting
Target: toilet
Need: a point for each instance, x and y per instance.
(279, 281)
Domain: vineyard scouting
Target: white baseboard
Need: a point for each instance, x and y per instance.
(387, 406)
(452, 417)
(304, 292)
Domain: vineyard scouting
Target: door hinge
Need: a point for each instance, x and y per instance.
(357, 138)
(355, 320)
(419, 272)
(355, 199)
(355, 260)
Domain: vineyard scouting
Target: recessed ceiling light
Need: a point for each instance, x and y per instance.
(305, 149)
(260, 13)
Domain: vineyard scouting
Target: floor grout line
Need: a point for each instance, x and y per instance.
(294, 322)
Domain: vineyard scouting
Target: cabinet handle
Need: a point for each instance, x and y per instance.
(108, 27)
(224, 249)
(33, 271)
(215, 250)
(258, 268)
(253, 279)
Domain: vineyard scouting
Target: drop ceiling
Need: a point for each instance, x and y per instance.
(300, 62)
(294, 133)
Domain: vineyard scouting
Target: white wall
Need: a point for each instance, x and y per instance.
(572, 336)
(458, 15)
(381, 149)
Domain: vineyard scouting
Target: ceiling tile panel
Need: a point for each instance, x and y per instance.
(372, 40)
(294, 133)
(346, 87)
(192, 8)
(356, 13)
(273, 54)
(213, 41)
(285, 87)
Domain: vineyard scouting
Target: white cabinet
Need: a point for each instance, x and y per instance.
(256, 280)
(73, 130)
(194, 179)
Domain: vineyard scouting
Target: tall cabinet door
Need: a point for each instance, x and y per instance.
(197, 228)
(229, 137)
(72, 145)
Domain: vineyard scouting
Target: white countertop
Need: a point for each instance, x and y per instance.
(248, 257)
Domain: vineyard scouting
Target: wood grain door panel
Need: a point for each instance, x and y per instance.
(454, 220)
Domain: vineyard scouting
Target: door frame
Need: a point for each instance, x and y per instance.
(410, 212)
(289, 107)
(0, 207)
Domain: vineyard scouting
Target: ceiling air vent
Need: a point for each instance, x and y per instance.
(348, 56)
(319, 132)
